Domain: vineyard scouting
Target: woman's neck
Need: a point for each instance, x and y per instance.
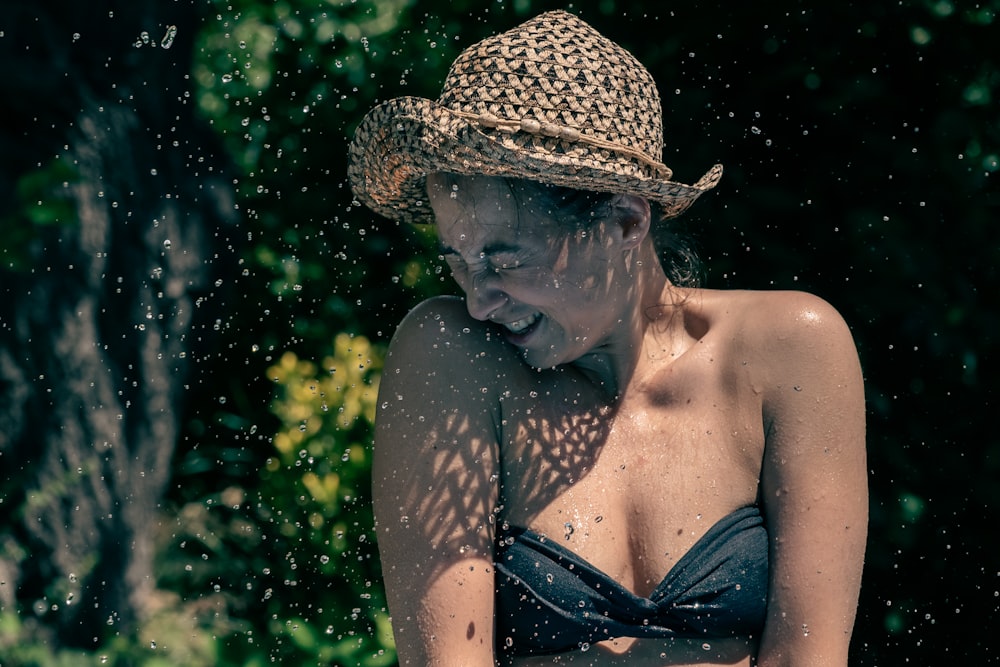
(651, 303)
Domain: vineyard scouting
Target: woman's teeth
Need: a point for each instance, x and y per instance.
(522, 324)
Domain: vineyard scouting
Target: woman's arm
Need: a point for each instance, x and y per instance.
(814, 483)
(434, 485)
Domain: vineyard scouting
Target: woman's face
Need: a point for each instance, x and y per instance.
(557, 293)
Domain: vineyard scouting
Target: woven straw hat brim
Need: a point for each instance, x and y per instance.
(401, 141)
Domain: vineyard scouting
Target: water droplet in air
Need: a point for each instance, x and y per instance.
(168, 37)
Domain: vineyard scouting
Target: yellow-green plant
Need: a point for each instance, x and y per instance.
(319, 478)
(284, 569)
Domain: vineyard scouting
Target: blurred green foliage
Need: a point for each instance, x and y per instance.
(284, 567)
(41, 200)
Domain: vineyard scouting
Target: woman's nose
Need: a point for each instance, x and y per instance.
(484, 296)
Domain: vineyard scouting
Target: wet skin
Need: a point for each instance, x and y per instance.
(575, 386)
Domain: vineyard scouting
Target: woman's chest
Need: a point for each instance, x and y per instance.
(630, 490)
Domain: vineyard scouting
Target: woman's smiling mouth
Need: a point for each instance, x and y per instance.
(523, 324)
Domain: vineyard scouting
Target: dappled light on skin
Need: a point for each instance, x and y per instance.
(513, 419)
(457, 512)
(516, 252)
(554, 447)
(551, 445)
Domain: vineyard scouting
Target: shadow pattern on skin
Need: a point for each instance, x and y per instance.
(470, 433)
(451, 486)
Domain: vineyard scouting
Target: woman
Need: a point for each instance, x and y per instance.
(585, 460)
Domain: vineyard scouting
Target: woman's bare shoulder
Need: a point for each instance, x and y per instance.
(771, 318)
(777, 335)
(799, 327)
(794, 340)
(439, 336)
(439, 321)
(434, 315)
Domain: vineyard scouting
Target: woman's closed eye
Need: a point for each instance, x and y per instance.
(494, 263)
(505, 261)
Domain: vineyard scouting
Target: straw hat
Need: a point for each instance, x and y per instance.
(551, 100)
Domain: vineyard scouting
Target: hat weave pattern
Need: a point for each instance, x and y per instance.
(551, 100)
(560, 71)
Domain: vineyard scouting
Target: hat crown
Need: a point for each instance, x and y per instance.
(557, 69)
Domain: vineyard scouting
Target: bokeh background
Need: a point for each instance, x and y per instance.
(193, 311)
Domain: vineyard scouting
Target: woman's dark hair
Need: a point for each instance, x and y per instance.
(579, 209)
(676, 250)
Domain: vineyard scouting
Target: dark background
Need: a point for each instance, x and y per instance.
(175, 483)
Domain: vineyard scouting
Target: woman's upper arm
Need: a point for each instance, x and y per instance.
(814, 485)
(434, 488)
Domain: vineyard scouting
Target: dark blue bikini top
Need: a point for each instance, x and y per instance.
(549, 600)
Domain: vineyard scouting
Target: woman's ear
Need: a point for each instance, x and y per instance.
(632, 217)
